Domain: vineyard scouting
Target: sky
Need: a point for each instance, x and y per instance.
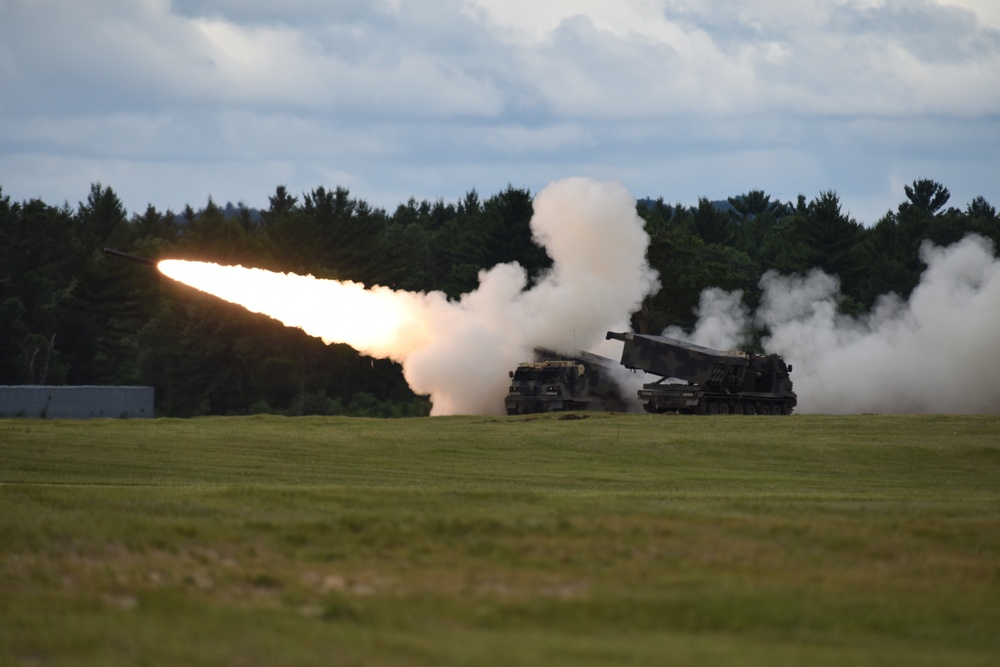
(170, 102)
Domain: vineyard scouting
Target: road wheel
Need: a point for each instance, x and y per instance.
(738, 409)
(713, 408)
(724, 408)
(765, 410)
(750, 410)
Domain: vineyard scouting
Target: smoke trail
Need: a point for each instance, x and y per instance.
(459, 352)
(937, 352)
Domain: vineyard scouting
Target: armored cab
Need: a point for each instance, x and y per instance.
(701, 380)
(556, 382)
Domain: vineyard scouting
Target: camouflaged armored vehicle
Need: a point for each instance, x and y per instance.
(556, 382)
(701, 380)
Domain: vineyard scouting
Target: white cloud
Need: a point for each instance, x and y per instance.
(986, 11)
(628, 19)
(674, 97)
(515, 140)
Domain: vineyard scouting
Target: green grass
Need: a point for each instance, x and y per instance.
(639, 539)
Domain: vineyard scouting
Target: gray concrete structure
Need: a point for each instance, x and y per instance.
(82, 402)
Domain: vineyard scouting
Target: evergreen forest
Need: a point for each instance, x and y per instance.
(71, 315)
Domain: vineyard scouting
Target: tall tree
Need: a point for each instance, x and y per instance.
(892, 247)
(983, 220)
(211, 236)
(712, 225)
(832, 241)
(783, 247)
(757, 216)
(349, 234)
(40, 262)
(481, 236)
(103, 219)
(927, 195)
(687, 265)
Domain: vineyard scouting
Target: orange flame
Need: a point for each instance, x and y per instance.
(378, 321)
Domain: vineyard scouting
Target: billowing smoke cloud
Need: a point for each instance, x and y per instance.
(937, 352)
(459, 352)
(599, 277)
(722, 321)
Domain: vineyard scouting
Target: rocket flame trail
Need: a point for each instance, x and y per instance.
(459, 352)
(379, 321)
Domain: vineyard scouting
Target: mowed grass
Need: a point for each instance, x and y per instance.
(611, 539)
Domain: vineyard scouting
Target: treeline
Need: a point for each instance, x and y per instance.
(72, 315)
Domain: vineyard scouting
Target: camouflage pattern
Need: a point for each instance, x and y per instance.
(556, 382)
(597, 369)
(706, 381)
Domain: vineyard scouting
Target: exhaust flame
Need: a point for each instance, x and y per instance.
(378, 322)
(459, 352)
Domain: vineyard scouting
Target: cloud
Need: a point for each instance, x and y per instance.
(414, 98)
(986, 11)
(309, 56)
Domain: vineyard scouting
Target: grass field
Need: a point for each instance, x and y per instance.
(614, 539)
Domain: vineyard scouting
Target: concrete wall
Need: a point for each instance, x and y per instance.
(85, 402)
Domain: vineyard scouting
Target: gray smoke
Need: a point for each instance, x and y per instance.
(937, 352)
(599, 277)
(722, 321)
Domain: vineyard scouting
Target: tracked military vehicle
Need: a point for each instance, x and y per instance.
(555, 382)
(700, 380)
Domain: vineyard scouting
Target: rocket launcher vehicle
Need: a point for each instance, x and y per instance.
(701, 380)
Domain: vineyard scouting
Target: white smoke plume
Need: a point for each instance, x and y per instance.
(459, 352)
(599, 277)
(722, 321)
(937, 352)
